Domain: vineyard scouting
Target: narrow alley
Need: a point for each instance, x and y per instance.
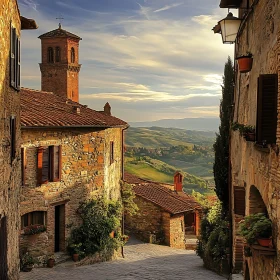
(142, 261)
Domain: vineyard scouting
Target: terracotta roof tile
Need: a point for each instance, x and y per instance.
(59, 33)
(167, 199)
(44, 109)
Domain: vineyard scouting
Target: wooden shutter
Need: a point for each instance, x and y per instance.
(43, 162)
(13, 137)
(17, 62)
(55, 163)
(23, 166)
(12, 57)
(3, 249)
(239, 201)
(267, 109)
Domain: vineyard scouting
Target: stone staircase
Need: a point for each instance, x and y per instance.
(61, 257)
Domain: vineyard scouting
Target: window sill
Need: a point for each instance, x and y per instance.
(260, 250)
(262, 149)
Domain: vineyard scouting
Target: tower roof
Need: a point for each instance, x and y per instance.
(59, 32)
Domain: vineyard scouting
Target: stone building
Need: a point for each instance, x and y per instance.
(11, 24)
(70, 153)
(255, 180)
(167, 216)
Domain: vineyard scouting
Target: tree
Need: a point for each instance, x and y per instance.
(221, 145)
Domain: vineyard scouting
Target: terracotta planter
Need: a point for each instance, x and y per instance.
(75, 257)
(250, 136)
(112, 234)
(50, 263)
(265, 242)
(245, 63)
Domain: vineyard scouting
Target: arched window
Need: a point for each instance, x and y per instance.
(33, 218)
(50, 55)
(57, 54)
(72, 55)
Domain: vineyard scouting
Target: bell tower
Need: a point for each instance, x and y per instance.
(60, 63)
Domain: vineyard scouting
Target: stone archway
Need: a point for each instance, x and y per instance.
(256, 203)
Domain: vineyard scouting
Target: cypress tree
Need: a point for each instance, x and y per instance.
(221, 145)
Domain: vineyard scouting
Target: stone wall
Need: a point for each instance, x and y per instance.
(84, 172)
(177, 231)
(151, 219)
(252, 166)
(9, 172)
(147, 221)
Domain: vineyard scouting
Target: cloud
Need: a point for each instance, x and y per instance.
(29, 3)
(165, 8)
(138, 57)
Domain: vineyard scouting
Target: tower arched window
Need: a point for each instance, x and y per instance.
(72, 55)
(57, 54)
(50, 55)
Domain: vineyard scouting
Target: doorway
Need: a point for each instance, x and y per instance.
(59, 228)
(3, 249)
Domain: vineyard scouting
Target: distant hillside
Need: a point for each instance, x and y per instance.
(155, 137)
(198, 124)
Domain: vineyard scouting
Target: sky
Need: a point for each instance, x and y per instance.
(150, 59)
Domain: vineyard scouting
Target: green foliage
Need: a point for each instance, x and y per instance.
(27, 260)
(221, 146)
(75, 248)
(243, 129)
(255, 226)
(128, 195)
(213, 241)
(202, 200)
(99, 219)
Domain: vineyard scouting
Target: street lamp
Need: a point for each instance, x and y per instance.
(229, 28)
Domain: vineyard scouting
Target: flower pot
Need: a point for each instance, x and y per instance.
(265, 242)
(112, 234)
(250, 136)
(50, 263)
(75, 257)
(245, 63)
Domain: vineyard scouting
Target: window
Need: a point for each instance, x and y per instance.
(57, 54)
(33, 218)
(267, 109)
(239, 201)
(13, 137)
(14, 60)
(49, 164)
(50, 54)
(111, 152)
(72, 55)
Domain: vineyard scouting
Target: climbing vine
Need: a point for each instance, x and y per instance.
(128, 195)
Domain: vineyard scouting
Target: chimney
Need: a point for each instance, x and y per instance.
(77, 109)
(178, 182)
(107, 109)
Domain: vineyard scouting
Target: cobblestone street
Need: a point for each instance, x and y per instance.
(142, 261)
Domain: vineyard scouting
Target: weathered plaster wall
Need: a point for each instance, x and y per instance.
(9, 104)
(252, 166)
(84, 170)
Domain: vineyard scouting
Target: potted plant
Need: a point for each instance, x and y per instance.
(34, 229)
(27, 262)
(75, 250)
(247, 251)
(256, 227)
(247, 131)
(51, 261)
(245, 62)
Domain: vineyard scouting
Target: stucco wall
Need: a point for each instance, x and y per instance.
(252, 166)
(9, 104)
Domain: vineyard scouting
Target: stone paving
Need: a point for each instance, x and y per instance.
(142, 261)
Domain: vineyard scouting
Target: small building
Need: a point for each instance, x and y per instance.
(70, 153)
(11, 24)
(166, 214)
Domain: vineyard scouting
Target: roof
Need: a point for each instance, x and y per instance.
(45, 109)
(59, 32)
(163, 197)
